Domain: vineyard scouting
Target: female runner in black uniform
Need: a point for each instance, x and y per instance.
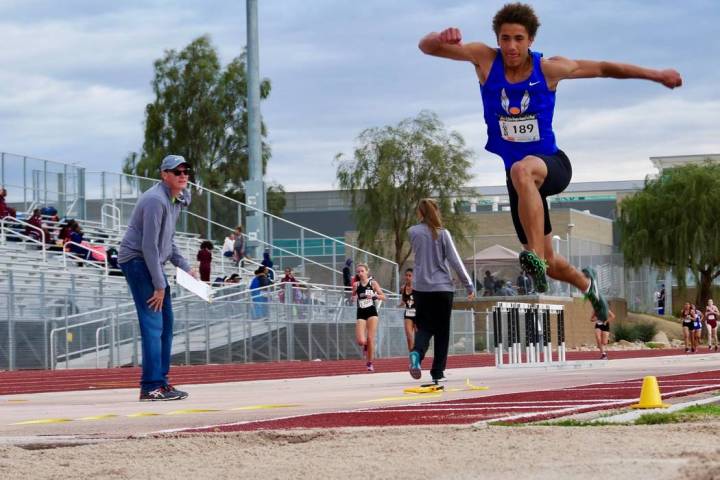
(366, 290)
(688, 323)
(602, 332)
(408, 303)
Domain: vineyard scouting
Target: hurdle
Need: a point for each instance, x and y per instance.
(518, 325)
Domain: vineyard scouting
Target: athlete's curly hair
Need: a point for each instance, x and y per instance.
(520, 13)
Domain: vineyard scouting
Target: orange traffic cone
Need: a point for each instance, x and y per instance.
(650, 395)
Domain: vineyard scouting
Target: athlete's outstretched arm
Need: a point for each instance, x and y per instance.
(560, 68)
(448, 44)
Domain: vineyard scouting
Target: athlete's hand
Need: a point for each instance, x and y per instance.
(471, 296)
(670, 78)
(156, 301)
(451, 36)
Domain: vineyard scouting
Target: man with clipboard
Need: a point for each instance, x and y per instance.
(146, 246)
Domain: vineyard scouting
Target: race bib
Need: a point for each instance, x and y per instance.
(365, 303)
(520, 129)
(711, 316)
(410, 312)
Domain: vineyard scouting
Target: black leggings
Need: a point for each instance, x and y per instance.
(432, 318)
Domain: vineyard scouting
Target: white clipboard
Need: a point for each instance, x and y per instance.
(201, 289)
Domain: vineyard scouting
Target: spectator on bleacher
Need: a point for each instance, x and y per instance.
(76, 237)
(259, 297)
(5, 211)
(268, 263)
(507, 290)
(234, 278)
(112, 259)
(229, 245)
(204, 256)
(65, 229)
(147, 245)
(36, 221)
(290, 278)
(239, 247)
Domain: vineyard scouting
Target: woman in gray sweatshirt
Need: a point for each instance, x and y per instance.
(435, 254)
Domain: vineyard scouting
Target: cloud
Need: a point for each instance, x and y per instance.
(77, 75)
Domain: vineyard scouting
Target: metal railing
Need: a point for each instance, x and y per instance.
(28, 238)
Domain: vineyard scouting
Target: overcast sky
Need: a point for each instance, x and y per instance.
(75, 77)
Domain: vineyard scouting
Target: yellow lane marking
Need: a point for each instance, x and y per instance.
(99, 417)
(143, 414)
(193, 410)
(406, 397)
(265, 407)
(43, 420)
(17, 400)
(470, 386)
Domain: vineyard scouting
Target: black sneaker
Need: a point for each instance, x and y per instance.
(441, 379)
(597, 301)
(160, 395)
(536, 268)
(171, 388)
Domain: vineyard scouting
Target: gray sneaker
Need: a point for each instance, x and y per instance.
(160, 395)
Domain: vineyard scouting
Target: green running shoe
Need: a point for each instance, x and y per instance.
(536, 268)
(598, 302)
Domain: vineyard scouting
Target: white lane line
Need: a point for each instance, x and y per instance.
(571, 410)
(536, 410)
(635, 414)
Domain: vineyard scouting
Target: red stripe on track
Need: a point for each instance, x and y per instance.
(451, 412)
(35, 381)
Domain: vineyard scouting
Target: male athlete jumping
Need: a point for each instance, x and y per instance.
(518, 93)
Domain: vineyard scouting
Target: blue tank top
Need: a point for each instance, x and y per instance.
(518, 115)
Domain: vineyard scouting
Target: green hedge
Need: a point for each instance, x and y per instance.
(644, 331)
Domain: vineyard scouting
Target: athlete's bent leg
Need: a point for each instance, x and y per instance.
(527, 176)
(560, 269)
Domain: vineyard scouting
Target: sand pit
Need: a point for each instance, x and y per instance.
(687, 451)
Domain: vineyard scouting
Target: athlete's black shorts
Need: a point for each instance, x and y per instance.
(365, 313)
(605, 327)
(558, 178)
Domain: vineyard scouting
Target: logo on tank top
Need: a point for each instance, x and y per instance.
(518, 127)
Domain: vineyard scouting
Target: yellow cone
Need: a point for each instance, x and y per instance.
(650, 395)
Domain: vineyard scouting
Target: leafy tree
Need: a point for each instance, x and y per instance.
(392, 168)
(200, 112)
(674, 222)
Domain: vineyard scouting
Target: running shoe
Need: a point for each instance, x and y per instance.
(159, 395)
(441, 379)
(370, 367)
(603, 356)
(597, 301)
(536, 268)
(171, 388)
(415, 370)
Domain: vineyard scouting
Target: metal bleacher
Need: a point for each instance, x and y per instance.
(58, 310)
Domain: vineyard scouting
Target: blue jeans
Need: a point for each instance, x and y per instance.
(156, 328)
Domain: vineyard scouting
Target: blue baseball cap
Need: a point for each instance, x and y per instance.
(171, 162)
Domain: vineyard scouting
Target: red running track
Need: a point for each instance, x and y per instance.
(35, 381)
(512, 408)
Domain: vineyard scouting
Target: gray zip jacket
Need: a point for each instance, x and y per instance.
(433, 259)
(151, 230)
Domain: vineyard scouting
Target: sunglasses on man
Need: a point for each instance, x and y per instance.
(180, 171)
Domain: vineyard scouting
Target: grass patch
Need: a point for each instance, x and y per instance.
(654, 345)
(692, 413)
